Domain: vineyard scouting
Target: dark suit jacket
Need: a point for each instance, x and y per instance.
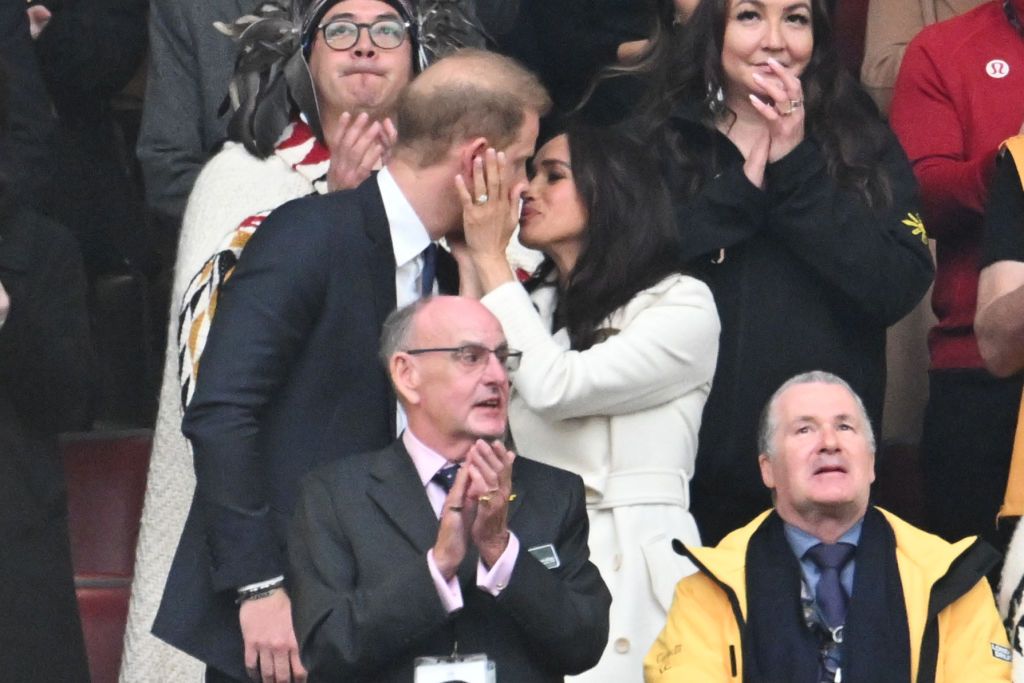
(290, 380)
(364, 603)
(190, 64)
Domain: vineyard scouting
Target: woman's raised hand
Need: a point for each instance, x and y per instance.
(490, 211)
(785, 116)
(489, 216)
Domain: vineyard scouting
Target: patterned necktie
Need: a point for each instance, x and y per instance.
(429, 275)
(830, 595)
(445, 476)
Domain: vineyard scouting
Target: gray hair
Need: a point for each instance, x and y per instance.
(396, 332)
(768, 423)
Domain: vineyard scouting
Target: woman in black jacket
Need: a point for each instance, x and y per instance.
(46, 368)
(798, 208)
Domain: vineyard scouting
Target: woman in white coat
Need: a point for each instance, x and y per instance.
(618, 348)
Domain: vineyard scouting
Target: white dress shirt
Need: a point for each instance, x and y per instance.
(409, 238)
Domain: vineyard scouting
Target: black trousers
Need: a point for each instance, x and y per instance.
(968, 437)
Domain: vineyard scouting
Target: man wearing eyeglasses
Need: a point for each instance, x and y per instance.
(360, 56)
(445, 541)
(289, 377)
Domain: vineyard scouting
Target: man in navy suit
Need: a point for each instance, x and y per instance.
(289, 378)
(445, 540)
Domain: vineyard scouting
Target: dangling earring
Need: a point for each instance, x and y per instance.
(715, 99)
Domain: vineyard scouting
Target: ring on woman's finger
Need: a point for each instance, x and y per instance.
(455, 508)
(795, 104)
(484, 499)
(481, 199)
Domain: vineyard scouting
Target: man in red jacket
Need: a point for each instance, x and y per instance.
(959, 94)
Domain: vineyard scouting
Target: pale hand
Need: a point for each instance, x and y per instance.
(785, 116)
(357, 147)
(5, 304)
(490, 212)
(757, 158)
(490, 484)
(38, 18)
(271, 651)
(453, 531)
(488, 224)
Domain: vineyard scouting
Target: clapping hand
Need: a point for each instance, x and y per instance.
(357, 147)
(490, 484)
(784, 115)
(476, 508)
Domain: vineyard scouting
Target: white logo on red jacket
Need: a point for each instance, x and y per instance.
(997, 68)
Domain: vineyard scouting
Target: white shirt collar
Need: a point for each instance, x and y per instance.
(409, 236)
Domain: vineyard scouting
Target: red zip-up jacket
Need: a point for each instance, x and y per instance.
(959, 94)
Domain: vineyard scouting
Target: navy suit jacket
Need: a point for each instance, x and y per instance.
(290, 379)
(365, 605)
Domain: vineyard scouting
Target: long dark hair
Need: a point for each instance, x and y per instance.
(630, 242)
(840, 116)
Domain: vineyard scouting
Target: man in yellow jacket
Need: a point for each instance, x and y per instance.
(825, 588)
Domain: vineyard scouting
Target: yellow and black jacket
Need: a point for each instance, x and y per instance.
(954, 629)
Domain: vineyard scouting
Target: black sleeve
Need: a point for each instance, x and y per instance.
(47, 363)
(26, 155)
(726, 211)
(877, 257)
(1004, 215)
(93, 47)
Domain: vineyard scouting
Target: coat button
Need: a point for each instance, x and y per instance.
(622, 645)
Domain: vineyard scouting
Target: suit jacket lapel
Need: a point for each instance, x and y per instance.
(516, 498)
(379, 233)
(398, 492)
(382, 268)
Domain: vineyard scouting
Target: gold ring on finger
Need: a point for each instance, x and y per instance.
(484, 499)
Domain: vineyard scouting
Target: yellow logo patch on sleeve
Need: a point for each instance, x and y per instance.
(916, 225)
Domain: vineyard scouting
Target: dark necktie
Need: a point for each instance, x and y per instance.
(445, 476)
(429, 274)
(830, 595)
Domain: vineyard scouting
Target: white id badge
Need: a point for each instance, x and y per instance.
(458, 669)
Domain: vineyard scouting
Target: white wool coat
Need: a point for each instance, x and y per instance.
(624, 415)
